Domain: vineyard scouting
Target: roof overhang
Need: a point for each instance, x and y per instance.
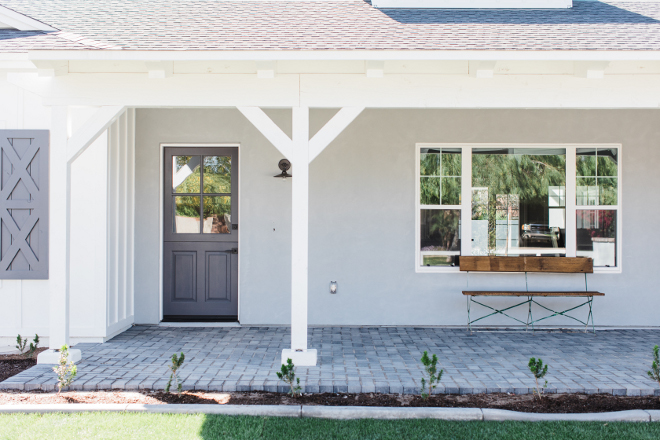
(335, 55)
(22, 22)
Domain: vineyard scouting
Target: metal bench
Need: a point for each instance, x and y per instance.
(530, 264)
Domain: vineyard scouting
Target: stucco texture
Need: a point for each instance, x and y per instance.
(362, 214)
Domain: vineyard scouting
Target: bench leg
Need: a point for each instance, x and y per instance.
(530, 319)
(590, 316)
(469, 299)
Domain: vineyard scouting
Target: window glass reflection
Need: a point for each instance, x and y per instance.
(596, 236)
(518, 201)
(217, 215)
(440, 176)
(217, 174)
(186, 174)
(597, 176)
(440, 237)
(186, 214)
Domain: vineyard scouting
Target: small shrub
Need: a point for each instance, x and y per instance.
(174, 368)
(66, 370)
(33, 346)
(288, 375)
(654, 374)
(539, 371)
(21, 346)
(431, 369)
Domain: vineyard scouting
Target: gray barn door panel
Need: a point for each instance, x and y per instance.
(200, 279)
(200, 239)
(24, 204)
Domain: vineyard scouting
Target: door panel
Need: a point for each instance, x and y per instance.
(184, 271)
(218, 276)
(200, 247)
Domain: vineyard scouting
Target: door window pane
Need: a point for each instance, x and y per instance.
(186, 214)
(186, 174)
(440, 176)
(217, 174)
(597, 173)
(596, 236)
(518, 201)
(217, 215)
(440, 237)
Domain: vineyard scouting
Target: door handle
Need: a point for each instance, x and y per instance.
(233, 251)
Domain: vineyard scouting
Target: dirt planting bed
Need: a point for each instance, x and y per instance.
(12, 364)
(551, 403)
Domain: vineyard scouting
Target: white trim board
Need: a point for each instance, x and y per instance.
(340, 55)
(22, 22)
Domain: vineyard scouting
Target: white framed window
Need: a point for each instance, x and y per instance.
(559, 200)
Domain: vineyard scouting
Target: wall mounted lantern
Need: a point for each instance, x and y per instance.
(284, 165)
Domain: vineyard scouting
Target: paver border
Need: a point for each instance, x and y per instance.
(337, 412)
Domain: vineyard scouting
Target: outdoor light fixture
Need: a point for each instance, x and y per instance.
(284, 165)
(333, 287)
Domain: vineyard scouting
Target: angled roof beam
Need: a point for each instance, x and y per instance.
(88, 133)
(22, 22)
(332, 129)
(269, 129)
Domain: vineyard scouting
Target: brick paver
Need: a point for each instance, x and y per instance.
(366, 359)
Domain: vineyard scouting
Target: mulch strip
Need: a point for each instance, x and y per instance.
(12, 364)
(551, 403)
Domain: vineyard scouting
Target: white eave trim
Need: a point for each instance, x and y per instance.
(345, 55)
(22, 22)
(473, 4)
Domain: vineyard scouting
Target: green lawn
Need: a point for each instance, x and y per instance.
(182, 427)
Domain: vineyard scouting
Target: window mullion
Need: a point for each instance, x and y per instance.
(466, 201)
(571, 196)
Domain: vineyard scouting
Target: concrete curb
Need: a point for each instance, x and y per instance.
(340, 412)
(499, 415)
(371, 412)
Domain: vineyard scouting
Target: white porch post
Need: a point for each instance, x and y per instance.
(300, 150)
(59, 205)
(63, 152)
(299, 353)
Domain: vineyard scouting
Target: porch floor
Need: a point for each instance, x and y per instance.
(367, 359)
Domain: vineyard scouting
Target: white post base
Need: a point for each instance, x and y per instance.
(306, 358)
(53, 357)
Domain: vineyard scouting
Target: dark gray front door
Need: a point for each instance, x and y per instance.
(200, 248)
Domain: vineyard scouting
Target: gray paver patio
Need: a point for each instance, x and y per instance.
(364, 359)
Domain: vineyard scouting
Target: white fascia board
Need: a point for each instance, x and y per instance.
(345, 55)
(473, 4)
(22, 22)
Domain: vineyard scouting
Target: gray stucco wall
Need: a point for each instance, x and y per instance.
(362, 213)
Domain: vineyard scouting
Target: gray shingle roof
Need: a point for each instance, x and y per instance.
(323, 25)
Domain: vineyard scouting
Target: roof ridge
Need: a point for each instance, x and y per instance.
(70, 36)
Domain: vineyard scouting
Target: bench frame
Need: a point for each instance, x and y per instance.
(537, 266)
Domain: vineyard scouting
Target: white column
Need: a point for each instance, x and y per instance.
(59, 206)
(299, 353)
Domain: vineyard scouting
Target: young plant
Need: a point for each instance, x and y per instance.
(539, 371)
(33, 346)
(431, 369)
(66, 370)
(654, 374)
(288, 375)
(20, 344)
(174, 368)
